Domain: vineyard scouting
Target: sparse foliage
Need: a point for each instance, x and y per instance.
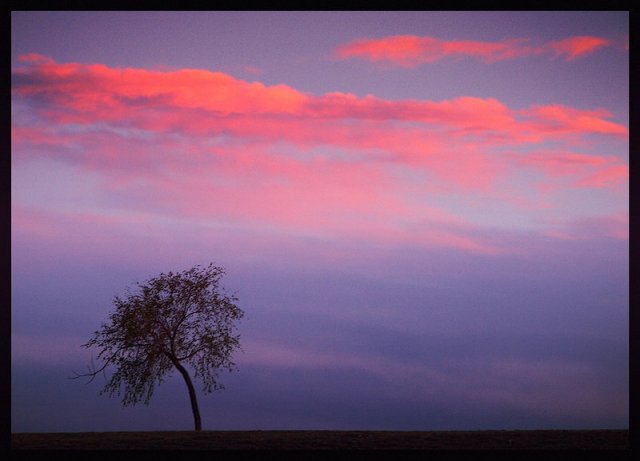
(170, 321)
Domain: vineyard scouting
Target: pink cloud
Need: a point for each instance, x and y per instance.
(332, 199)
(614, 175)
(404, 50)
(560, 120)
(54, 224)
(35, 58)
(354, 162)
(252, 187)
(561, 163)
(39, 136)
(202, 102)
(575, 47)
(30, 222)
(566, 169)
(412, 50)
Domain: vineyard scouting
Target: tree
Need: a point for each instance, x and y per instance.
(172, 321)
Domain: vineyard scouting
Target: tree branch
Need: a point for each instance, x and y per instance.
(92, 371)
(188, 356)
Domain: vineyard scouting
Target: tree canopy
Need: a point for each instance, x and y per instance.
(175, 320)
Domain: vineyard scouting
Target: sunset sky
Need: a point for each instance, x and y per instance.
(424, 215)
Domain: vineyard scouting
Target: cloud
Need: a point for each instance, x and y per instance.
(204, 102)
(611, 176)
(205, 145)
(35, 58)
(559, 119)
(574, 47)
(412, 50)
(588, 171)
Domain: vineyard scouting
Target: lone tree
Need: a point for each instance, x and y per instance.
(171, 321)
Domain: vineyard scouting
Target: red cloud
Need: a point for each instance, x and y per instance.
(577, 46)
(209, 103)
(404, 50)
(199, 102)
(565, 120)
(412, 50)
(35, 58)
(348, 157)
(100, 88)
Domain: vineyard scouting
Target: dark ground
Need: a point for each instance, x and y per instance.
(333, 440)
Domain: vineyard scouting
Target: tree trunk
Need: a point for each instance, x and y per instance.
(192, 394)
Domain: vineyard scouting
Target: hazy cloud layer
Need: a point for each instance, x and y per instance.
(168, 141)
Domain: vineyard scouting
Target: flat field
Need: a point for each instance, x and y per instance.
(322, 440)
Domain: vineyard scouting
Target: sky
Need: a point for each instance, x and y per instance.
(424, 215)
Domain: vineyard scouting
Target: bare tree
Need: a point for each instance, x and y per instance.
(171, 321)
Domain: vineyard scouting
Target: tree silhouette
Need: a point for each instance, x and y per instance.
(171, 321)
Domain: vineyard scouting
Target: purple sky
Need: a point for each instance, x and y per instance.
(424, 215)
